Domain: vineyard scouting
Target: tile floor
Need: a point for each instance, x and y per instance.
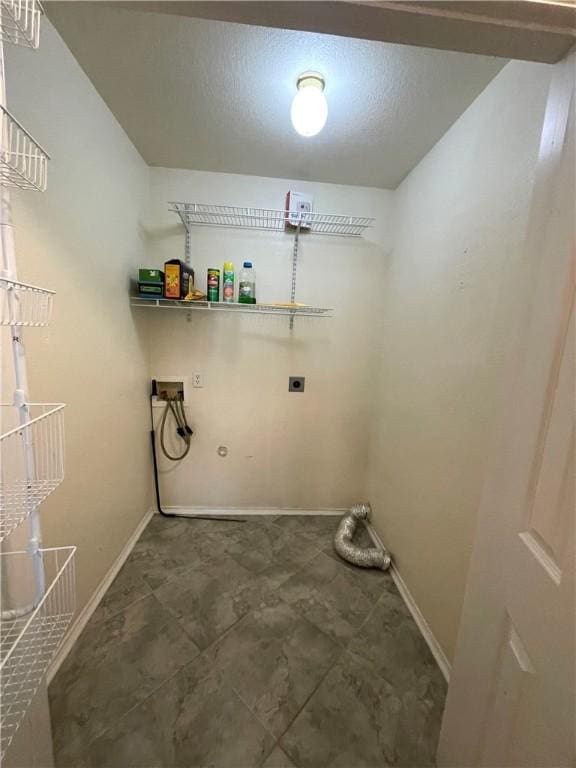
(239, 645)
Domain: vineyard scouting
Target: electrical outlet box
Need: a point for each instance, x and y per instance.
(297, 206)
(197, 380)
(296, 383)
(170, 390)
(168, 387)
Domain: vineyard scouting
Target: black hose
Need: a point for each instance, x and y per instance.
(156, 485)
(153, 393)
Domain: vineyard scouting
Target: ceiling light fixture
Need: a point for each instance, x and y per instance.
(309, 106)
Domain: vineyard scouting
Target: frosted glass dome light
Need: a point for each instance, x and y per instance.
(309, 107)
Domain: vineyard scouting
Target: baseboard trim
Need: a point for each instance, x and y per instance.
(84, 616)
(423, 626)
(248, 511)
(412, 605)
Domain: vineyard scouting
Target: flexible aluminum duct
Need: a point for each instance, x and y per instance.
(365, 557)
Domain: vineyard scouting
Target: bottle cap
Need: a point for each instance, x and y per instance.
(228, 266)
(248, 264)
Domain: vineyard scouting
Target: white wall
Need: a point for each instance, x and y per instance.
(84, 237)
(285, 450)
(452, 291)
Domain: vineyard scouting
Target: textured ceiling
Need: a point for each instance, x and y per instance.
(215, 96)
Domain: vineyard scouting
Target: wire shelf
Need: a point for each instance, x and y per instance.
(23, 162)
(301, 310)
(29, 643)
(31, 461)
(24, 304)
(200, 214)
(20, 22)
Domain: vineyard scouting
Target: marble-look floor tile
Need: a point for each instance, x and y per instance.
(351, 720)
(335, 598)
(214, 526)
(392, 642)
(115, 664)
(195, 720)
(419, 728)
(319, 529)
(173, 526)
(210, 598)
(157, 526)
(128, 586)
(257, 547)
(273, 606)
(274, 659)
(278, 759)
(174, 550)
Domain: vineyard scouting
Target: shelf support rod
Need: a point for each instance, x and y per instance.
(187, 258)
(187, 247)
(294, 271)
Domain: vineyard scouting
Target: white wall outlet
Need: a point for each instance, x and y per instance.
(197, 380)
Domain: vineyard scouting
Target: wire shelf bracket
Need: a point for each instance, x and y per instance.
(23, 162)
(20, 22)
(29, 642)
(22, 304)
(43, 437)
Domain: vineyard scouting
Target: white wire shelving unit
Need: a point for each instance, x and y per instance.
(31, 461)
(280, 310)
(38, 590)
(20, 22)
(22, 304)
(271, 219)
(267, 219)
(30, 637)
(23, 162)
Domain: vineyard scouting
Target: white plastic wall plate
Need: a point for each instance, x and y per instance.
(297, 206)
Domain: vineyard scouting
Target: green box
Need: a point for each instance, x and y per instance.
(146, 275)
(149, 289)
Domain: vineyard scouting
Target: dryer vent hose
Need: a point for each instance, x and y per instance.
(365, 557)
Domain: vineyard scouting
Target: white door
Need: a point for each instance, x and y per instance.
(511, 699)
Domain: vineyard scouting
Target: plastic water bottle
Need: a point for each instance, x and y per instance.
(247, 284)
